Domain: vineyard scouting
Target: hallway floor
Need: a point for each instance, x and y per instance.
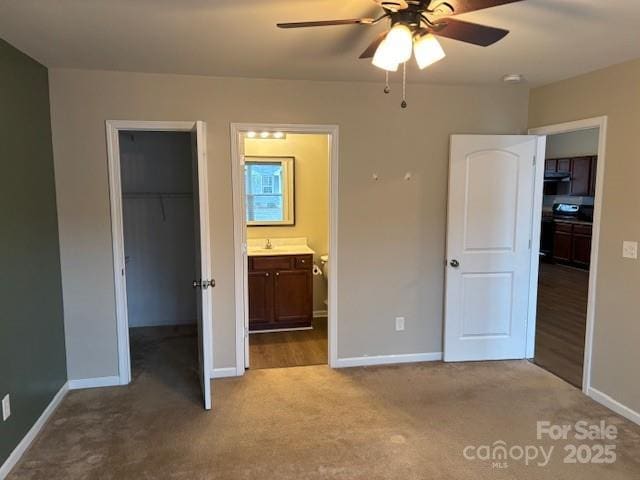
(409, 422)
(561, 321)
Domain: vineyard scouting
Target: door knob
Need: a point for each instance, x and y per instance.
(454, 263)
(197, 283)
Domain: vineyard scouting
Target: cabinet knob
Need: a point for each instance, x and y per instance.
(277, 274)
(266, 274)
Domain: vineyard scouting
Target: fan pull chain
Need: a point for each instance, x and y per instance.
(404, 85)
(387, 88)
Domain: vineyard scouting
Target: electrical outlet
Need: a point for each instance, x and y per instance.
(6, 407)
(399, 324)
(630, 249)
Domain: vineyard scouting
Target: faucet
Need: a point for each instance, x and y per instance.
(268, 245)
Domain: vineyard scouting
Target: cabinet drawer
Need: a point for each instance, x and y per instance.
(270, 263)
(303, 262)
(582, 229)
(564, 227)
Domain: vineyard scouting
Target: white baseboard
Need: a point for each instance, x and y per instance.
(320, 314)
(614, 405)
(25, 443)
(388, 359)
(224, 372)
(94, 382)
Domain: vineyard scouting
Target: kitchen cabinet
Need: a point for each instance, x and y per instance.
(580, 184)
(572, 244)
(582, 171)
(280, 292)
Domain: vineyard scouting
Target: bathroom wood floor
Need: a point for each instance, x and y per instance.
(289, 349)
(561, 321)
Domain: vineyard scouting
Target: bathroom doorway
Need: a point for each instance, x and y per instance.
(285, 180)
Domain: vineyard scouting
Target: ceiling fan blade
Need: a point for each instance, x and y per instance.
(468, 32)
(373, 46)
(456, 7)
(325, 23)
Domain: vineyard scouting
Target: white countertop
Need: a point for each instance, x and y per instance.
(280, 246)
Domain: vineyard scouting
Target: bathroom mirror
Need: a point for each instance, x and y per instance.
(269, 190)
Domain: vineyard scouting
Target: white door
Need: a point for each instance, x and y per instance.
(491, 179)
(203, 282)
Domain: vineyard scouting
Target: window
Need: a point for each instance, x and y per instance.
(269, 191)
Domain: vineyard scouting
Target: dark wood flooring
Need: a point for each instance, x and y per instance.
(561, 321)
(289, 349)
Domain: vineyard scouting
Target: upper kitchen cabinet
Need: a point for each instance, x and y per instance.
(581, 171)
(581, 176)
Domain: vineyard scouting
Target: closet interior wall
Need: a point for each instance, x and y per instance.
(158, 216)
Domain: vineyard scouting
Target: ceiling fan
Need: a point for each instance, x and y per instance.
(414, 26)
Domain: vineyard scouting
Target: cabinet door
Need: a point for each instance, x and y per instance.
(293, 298)
(562, 246)
(581, 250)
(564, 165)
(594, 170)
(261, 312)
(550, 165)
(580, 176)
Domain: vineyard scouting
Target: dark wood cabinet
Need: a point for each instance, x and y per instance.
(260, 299)
(582, 171)
(280, 292)
(581, 176)
(572, 244)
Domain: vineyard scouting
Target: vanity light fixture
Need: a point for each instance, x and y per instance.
(264, 134)
(251, 134)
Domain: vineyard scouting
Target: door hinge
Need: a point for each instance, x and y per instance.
(529, 244)
(246, 332)
(534, 160)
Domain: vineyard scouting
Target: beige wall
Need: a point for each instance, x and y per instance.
(311, 167)
(613, 92)
(573, 144)
(390, 233)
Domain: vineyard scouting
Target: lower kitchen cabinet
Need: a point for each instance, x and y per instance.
(280, 292)
(572, 244)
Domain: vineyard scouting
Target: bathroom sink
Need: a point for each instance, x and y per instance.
(280, 246)
(282, 250)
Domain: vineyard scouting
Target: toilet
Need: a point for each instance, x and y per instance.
(324, 260)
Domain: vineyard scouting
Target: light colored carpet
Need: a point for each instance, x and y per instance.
(400, 422)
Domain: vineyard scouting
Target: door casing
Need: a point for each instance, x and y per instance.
(543, 132)
(113, 127)
(240, 234)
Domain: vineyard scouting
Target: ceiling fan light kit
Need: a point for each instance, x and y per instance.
(414, 27)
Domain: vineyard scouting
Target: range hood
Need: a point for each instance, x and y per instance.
(557, 176)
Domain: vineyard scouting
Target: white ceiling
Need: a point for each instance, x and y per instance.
(549, 40)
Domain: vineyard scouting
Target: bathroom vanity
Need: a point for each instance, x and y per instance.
(280, 286)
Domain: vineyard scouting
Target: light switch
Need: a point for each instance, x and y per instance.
(629, 249)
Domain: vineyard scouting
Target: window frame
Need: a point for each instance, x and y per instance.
(287, 186)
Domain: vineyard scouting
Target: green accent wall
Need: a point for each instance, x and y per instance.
(32, 345)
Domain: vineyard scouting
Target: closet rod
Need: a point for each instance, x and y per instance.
(157, 195)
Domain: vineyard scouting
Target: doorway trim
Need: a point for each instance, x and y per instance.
(585, 124)
(113, 128)
(240, 240)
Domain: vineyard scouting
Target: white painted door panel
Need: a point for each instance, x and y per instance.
(203, 266)
(491, 181)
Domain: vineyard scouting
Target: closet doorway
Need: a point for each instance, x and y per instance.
(160, 223)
